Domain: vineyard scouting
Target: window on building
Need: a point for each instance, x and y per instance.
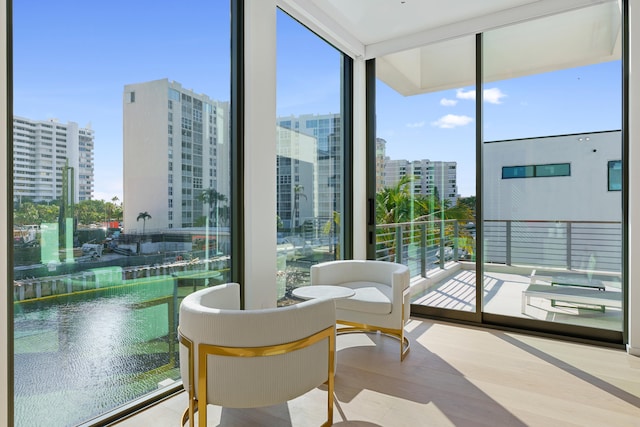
(614, 175)
(536, 171)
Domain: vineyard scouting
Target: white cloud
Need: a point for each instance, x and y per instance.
(492, 96)
(416, 124)
(448, 102)
(470, 94)
(451, 121)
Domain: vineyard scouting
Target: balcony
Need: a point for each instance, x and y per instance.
(518, 254)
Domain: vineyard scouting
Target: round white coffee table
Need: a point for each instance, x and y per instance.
(323, 291)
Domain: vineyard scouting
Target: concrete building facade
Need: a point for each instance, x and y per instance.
(430, 178)
(297, 168)
(579, 175)
(176, 146)
(318, 139)
(42, 150)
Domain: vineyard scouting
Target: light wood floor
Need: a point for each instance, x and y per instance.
(453, 376)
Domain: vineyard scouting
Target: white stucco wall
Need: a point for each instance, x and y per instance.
(583, 196)
(145, 157)
(260, 154)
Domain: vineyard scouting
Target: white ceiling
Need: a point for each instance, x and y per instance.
(375, 21)
(412, 39)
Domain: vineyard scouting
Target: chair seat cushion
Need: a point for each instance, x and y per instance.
(370, 297)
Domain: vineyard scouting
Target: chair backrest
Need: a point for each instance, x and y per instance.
(210, 320)
(336, 272)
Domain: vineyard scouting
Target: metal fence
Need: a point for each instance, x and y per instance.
(571, 245)
(424, 245)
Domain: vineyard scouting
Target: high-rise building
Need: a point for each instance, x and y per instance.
(319, 137)
(42, 150)
(176, 147)
(429, 178)
(297, 165)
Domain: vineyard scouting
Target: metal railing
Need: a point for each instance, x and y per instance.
(424, 245)
(570, 245)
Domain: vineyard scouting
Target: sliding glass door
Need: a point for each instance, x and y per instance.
(425, 174)
(311, 143)
(541, 141)
(552, 150)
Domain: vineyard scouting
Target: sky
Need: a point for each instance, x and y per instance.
(75, 65)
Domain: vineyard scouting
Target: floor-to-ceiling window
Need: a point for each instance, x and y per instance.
(425, 170)
(546, 138)
(121, 191)
(310, 153)
(552, 150)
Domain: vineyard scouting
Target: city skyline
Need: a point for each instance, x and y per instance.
(86, 77)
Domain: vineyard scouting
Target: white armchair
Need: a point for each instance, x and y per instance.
(381, 301)
(250, 358)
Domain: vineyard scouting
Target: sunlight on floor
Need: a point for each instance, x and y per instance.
(503, 295)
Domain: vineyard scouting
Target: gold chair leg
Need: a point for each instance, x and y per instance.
(185, 417)
(398, 334)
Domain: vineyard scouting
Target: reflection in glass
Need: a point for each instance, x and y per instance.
(310, 154)
(121, 197)
(425, 171)
(552, 227)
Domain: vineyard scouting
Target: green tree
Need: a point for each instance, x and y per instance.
(91, 211)
(114, 209)
(26, 214)
(461, 211)
(469, 202)
(332, 229)
(394, 204)
(47, 213)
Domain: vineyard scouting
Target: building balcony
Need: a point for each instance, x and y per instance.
(526, 264)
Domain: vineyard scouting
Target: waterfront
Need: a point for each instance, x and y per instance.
(80, 356)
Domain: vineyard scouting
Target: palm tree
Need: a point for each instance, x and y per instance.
(144, 216)
(393, 204)
(117, 208)
(332, 228)
(298, 190)
(212, 197)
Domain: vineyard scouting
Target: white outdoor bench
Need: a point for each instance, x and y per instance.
(572, 295)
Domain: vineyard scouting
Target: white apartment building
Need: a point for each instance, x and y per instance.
(42, 149)
(176, 145)
(430, 178)
(297, 166)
